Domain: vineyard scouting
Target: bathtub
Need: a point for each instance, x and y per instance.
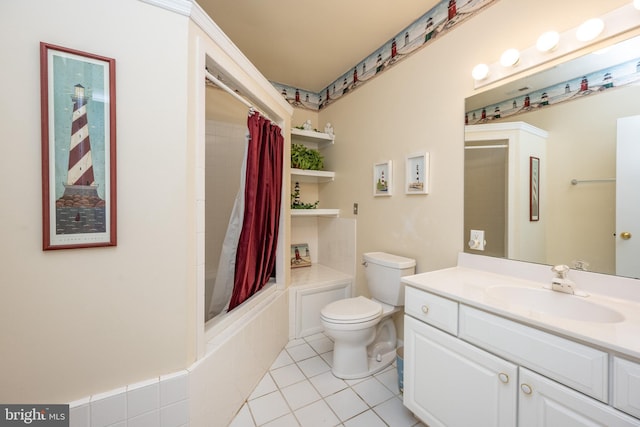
(241, 346)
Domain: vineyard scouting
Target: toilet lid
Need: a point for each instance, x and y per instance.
(352, 310)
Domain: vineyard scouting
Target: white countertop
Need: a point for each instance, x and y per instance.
(317, 275)
(468, 286)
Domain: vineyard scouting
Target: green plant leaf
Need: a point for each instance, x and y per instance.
(305, 158)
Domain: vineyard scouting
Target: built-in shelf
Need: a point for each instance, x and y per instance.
(314, 139)
(315, 212)
(312, 136)
(304, 175)
(317, 274)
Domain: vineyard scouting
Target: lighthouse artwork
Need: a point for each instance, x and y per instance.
(417, 174)
(80, 189)
(78, 148)
(382, 179)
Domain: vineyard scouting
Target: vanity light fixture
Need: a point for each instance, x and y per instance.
(590, 29)
(480, 71)
(548, 41)
(611, 24)
(510, 57)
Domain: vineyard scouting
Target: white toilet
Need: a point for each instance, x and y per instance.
(362, 329)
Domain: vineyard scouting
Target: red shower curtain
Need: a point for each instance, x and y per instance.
(256, 256)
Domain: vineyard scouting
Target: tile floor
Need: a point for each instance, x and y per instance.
(299, 390)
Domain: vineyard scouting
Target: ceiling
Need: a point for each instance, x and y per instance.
(308, 44)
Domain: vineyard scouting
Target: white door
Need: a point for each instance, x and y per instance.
(449, 383)
(627, 197)
(545, 403)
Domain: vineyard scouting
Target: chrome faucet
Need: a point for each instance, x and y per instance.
(562, 283)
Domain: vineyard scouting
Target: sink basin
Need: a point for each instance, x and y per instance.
(554, 303)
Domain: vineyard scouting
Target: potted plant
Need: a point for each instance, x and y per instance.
(305, 158)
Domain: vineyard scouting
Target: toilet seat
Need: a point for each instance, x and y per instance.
(351, 310)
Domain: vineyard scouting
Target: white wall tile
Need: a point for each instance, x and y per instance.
(175, 415)
(142, 398)
(174, 388)
(109, 408)
(150, 419)
(80, 414)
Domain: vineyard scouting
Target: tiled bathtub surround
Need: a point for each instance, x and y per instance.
(160, 402)
(210, 392)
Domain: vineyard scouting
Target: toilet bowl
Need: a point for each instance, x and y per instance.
(363, 333)
(362, 329)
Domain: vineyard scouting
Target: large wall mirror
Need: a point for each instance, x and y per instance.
(570, 188)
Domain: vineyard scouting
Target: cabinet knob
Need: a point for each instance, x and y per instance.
(425, 309)
(503, 377)
(526, 388)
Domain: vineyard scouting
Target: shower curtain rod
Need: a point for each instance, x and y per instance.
(233, 93)
(580, 181)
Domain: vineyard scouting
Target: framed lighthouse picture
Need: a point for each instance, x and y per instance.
(417, 174)
(78, 106)
(382, 179)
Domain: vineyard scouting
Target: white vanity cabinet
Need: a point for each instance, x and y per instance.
(626, 386)
(543, 402)
(468, 367)
(449, 383)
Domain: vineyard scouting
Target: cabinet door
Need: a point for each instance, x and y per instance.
(626, 386)
(449, 383)
(545, 403)
(310, 300)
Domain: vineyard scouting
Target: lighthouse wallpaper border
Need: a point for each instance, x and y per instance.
(78, 106)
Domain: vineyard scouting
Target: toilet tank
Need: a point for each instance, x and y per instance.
(383, 272)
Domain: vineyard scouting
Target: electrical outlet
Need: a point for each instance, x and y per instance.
(476, 240)
(355, 209)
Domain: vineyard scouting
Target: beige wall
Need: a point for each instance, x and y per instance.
(80, 321)
(419, 106)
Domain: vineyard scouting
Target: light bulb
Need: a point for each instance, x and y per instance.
(480, 71)
(590, 29)
(510, 57)
(548, 41)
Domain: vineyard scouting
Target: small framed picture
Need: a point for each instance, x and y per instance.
(382, 179)
(417, 174)
(534, 189)
(300, 255)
